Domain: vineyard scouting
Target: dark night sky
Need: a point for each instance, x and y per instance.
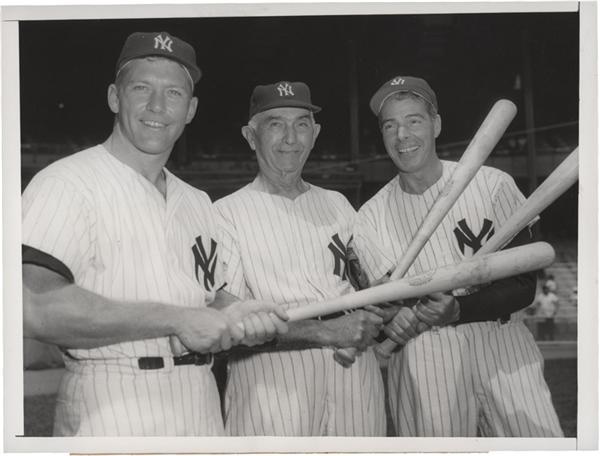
(470, 59)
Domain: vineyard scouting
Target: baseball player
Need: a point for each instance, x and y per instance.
(286, 241)
(467, 364)
(119, 255)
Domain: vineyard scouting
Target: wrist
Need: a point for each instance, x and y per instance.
(326, 334)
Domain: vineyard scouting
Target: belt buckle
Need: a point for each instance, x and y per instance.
(202, 359)
(151, 363)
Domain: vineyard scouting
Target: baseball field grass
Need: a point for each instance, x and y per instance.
(561, 375)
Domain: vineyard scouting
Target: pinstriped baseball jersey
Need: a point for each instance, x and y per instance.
(122, 239)
(440, 384)
(292, 252)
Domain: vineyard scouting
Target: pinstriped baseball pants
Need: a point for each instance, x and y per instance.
(117, 399)
(304, 393)
(488, 375)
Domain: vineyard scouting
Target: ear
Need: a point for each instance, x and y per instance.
(248, 133)
(437, 125)
(113, 98)
(316, 131)
(191, 110)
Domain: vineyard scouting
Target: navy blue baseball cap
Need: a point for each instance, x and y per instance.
(160, 44)
(283, 94)
(418, 86)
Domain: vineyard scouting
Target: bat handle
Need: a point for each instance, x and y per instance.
(385, 348)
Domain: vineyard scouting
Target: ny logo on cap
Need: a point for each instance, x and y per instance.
(397, 81)
(163, 42)
(285, 90)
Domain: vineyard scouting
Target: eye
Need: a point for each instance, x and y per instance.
(415, 121)
(139, 87)
(176, 93)
(303, 124)
(275, 124)
(387, 126)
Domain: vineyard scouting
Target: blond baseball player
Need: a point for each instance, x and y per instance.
(286, 240)
(467, 365)
(119, 255)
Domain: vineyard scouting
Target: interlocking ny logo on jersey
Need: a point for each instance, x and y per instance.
(340, 255)
(466, 237)
(163, 42)
(207, 263)
(285, 90)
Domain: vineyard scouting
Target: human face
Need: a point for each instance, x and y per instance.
(282, 139)
(153, 103)
(409, 135)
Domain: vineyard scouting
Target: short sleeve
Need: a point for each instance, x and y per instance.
(57, 221)
(231, 259)
(370, 251)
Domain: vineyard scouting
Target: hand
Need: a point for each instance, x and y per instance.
(437, 309)
(404, 326)
(261, 320)
(357, 329)
(203, 329)
(386, 310)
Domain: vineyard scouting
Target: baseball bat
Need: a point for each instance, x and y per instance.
(565, 175)
(476, 153)
(475, 271)
(562, 178)
(478, 150)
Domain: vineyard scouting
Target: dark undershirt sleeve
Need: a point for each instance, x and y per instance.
(502, 297)
(31, 255)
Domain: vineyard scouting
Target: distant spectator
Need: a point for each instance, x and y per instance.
(550, 283)
(574, 297)
(546, 305)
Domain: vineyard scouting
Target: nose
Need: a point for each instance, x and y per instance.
(402, 132)
(290, 135)
(156, 103)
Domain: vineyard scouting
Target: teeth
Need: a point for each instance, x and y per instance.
(408, 149)
(151, 123)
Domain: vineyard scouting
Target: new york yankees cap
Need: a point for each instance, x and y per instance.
(283, 94)
(160, 44)
(397, 84)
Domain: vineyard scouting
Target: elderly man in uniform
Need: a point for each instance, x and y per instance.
(286, 240)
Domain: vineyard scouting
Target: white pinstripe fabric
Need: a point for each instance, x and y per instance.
(277, 249)
(121, 239)
(423, 405)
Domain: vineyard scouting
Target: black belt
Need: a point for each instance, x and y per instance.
(157, 362)
(503, 319)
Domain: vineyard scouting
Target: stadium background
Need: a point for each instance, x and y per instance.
(471, 60)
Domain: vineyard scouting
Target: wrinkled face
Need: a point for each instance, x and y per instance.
(409, 134)
(282, 139)
(153, 103)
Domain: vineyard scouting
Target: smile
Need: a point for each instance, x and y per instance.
(153, 124)
(404, 150)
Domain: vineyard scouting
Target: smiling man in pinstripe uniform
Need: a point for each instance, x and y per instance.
(285, 240)
(466, 362)
(119, 256)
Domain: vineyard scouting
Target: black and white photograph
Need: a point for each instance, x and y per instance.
(344, 227)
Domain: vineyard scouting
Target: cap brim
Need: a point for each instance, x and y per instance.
(287, 104)
(194, 71)
(416, 92)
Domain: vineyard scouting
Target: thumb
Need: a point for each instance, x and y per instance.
(177, 348)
